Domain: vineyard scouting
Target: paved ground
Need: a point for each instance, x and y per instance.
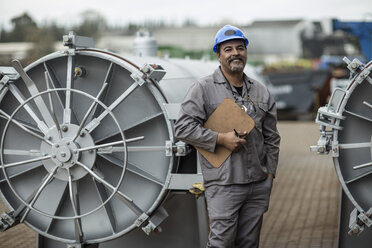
(304, 203)
(305, 197)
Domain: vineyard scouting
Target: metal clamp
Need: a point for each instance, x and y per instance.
(74, 41)
(7, 221)
(323, 145)
(154, 72)
(354, 65)
(355, 225)
(358, 221)
(182, 149)
(143, 217)
(138, 78)
(156, 219)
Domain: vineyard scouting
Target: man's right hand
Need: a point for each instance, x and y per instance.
(231, 141)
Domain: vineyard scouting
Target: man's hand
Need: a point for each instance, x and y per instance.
(231, 141)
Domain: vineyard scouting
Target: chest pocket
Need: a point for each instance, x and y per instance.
(261, 113)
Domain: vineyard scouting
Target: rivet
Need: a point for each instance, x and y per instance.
(64, 128)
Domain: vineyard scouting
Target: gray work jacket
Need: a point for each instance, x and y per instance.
(244, 166)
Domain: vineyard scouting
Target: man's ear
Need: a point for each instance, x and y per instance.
(218, 55)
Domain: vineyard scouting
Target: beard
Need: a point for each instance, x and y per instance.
(236, 67)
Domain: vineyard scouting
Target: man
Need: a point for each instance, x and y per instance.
(238, 192)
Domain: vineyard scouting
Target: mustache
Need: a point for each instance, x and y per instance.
(231, 59)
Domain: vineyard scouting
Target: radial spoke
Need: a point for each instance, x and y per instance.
(62, 194)
(21, 207)
(21, 173)
(358, 116)
(133, 168)
(355, 145)
(367, 104)
(96, 121)
(362, 166)
(38, 192)
(25, 161)
(149, 118)
(112, 149)
(108, 77)
(21, 99)
(108, 209)
(23, 127)
(110, 144)
(75, 207)
(33, 153)
(125, 199)
(61, 96)
(358, 177)
(51, 105)
(69, 82)
(55, 83)
(34, 92)
(94, 103)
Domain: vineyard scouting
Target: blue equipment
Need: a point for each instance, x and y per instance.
(226, 33)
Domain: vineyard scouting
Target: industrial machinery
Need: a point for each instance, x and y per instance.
(88, 154)
(346, 133)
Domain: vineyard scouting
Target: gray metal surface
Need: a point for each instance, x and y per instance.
(346, 132)
(80, 154)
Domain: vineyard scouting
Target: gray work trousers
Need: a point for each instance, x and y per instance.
(235, 213)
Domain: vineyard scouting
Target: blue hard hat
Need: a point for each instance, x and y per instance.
(228, 32)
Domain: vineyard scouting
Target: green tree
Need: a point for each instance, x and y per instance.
(92, 25)
(22, 28)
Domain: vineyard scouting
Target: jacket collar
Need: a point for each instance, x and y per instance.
(219, 78)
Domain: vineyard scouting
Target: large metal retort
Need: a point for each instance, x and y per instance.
(346, 132)
(75, 152)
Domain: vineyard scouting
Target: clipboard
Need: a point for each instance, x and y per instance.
(227, 116)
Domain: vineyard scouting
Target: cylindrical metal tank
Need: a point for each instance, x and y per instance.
(88, 152)
(346, 132)
(145, 45)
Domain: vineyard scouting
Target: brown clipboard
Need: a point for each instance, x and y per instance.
(227, 117)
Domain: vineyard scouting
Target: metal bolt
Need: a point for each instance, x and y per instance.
(57, 145)
(64, 128)
(63, 154)
(54, 156)
(82, 134)
(68, 143)
(147, 229)
(72, 162)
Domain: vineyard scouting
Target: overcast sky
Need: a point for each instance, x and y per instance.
(176, 11)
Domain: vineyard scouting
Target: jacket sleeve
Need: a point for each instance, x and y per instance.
(189, 125)
(271, 137)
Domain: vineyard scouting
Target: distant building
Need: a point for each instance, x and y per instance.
(269, 41)
(272, 40)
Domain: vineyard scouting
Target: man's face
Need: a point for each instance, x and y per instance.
(232, 56)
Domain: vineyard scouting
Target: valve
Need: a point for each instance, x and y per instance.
(197, 189)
